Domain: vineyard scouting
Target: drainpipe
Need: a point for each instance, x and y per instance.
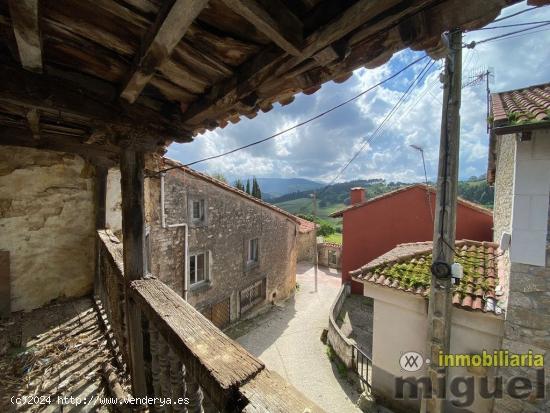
(186, 230)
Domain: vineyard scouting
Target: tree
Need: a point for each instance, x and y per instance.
(248, 186)
(325, 229)
(256, 191)
(239, 184)
(219, 176)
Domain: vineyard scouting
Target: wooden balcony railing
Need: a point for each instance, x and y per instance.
(185, 355)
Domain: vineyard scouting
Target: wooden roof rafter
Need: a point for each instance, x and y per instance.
(25, 20)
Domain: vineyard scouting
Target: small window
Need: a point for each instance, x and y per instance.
(332, 258)
(252, 251)
(198, 269)
(197, 207)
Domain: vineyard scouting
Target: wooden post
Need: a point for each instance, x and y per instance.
(133, 238)
(439, 311)
(100, 202)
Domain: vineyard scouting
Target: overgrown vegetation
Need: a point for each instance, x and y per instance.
(340, 366)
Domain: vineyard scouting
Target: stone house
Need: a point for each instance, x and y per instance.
(329, 255)
(240, 252)
(398, 283)
(519, 168)
(305, 241)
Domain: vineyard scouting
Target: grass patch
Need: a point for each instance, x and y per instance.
(335, 238)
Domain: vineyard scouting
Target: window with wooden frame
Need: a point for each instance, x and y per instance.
(198, 269)
(253, 251)
(198, 211)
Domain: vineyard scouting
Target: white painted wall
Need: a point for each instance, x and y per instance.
(530, 200)
(400, 325)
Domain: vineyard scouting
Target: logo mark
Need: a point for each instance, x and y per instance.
(411, 361)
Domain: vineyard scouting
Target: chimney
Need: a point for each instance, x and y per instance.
(357, 195)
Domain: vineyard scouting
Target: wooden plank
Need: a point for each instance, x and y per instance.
(270, 63)
(273, 19)
(132, 165)
(5, 282)
(268, 392)
(171, 24)
(219, 364)
(24, 17)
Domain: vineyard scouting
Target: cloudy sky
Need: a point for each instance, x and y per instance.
(321, 148)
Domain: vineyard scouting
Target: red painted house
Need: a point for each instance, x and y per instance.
(375, 226)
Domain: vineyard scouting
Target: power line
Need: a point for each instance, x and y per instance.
(520, 35)
(473, 44)
(295, 126)
(369, 138)
(509, 25)
(515, 14)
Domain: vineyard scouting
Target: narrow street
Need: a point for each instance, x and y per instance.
(287, 340)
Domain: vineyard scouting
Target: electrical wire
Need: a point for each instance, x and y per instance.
(515, 14)
(297, 125)
(473, 44)
(509, 25)
(369, 138)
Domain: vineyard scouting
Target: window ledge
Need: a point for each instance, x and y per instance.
(200, 286)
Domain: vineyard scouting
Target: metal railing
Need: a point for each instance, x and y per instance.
(362, 365)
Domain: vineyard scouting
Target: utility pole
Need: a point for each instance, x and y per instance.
(439, 311)
(316, 255)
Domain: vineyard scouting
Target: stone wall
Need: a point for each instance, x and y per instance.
(231, 221)
(113, 203)
(47, 223)
(324, 250)
(305, 246)
(527, 325)
(342, 346)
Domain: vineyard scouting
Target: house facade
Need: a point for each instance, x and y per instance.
(398, 282)
(330, 255)
(305, 242)
(519, 168)
(240, 252)
(372, 227)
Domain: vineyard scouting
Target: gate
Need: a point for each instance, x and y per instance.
(221, 313)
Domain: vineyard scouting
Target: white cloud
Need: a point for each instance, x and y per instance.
(319, 149)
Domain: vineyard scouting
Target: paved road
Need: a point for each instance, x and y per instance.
(287, 340)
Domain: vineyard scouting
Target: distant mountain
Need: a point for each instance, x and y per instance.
(275, 187)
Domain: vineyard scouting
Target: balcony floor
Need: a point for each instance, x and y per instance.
(56, 350)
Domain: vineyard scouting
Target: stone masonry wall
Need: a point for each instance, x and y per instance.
(231, 220)
(324, 249)
(46, 224)
(305, 246)
(527, 325)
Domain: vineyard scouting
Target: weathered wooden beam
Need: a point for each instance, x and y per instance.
(274, 19)
(132, 165)
(49, 93)
(33, 117)
(98, 154)
(172, 22)
(270, 63)
(24, 16)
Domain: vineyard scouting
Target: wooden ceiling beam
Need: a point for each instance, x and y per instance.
(169, 28)
(24, 17)
(48, 93)
(270, 63)
(273, 19)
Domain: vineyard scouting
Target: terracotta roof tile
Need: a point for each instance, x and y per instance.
(407, 268)
(330, 244)
(461, 201)
(516, 107)
(305, 225)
